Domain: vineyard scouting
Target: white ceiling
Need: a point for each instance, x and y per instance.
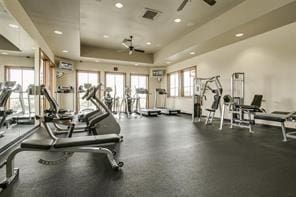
(203, 28)
(101, 17)
(17, 41)
(62, 15)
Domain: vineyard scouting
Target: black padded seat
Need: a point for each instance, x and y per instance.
(211, 110)
(43, 144)
(248, 107)
(86, 140)
(271, 117)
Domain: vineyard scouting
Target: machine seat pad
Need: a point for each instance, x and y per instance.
(86, 140)
(271, 117)
(248, 107)
(62, 111)
(65, 117)
(211, 110)
(43, 144)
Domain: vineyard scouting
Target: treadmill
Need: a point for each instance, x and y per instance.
(25, 118)
(163, 109)
(144, 111)
(5, 114)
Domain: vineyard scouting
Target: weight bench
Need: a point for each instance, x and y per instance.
(280, 117)
(84, 144)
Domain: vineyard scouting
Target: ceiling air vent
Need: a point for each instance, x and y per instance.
(150, 14)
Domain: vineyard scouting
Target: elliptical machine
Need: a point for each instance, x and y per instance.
(85, 88)
(108, 100)
(101, 122)
(127, 102)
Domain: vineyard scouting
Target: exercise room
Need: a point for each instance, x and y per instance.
(147, 98)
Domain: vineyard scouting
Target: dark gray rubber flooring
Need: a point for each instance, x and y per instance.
(14, 132)
(170, 156)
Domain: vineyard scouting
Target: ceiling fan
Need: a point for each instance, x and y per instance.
(183, 4)
(128, 43)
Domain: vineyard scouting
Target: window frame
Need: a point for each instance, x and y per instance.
(145, 75)
(182, 79)
(77, 93)
(169, 83)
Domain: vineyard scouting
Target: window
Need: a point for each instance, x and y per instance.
(116, 81)
(140, 81)
(84, 77)
(23, 77)
(188, 77)
(173, 84)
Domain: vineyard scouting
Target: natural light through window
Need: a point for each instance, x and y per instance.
(23, 77)
(84, 77)
(140, 81)
(174, 84)
(116, 81)
(188, 77)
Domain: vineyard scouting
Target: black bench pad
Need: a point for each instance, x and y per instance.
(43, 144)
(248, 107)
(86, 140)
(271, 117)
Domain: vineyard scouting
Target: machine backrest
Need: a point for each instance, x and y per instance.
(54, 106)
(257, 100)
(216, 102)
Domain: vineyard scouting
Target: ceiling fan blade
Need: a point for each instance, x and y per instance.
(125, 45)
(139, 50)
(210, 2)
(183, 4)
(127, 40)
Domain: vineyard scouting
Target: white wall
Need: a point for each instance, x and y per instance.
(269, 61)
(7, 60)
(69, 78)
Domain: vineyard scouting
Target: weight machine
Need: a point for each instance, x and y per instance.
(236, 104)
(201, 86)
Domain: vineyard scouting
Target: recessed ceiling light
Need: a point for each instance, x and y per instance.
(177, 20)
(239, 35)
(58, 32)
(119, 5)
(192, 53)
(65, 51)
(4, 53)
(136, 64)
(148, 43)
(13, 26)
(168, 62)
(106, 36)
(97, 61)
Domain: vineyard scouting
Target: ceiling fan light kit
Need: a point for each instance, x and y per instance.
(128, 43)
